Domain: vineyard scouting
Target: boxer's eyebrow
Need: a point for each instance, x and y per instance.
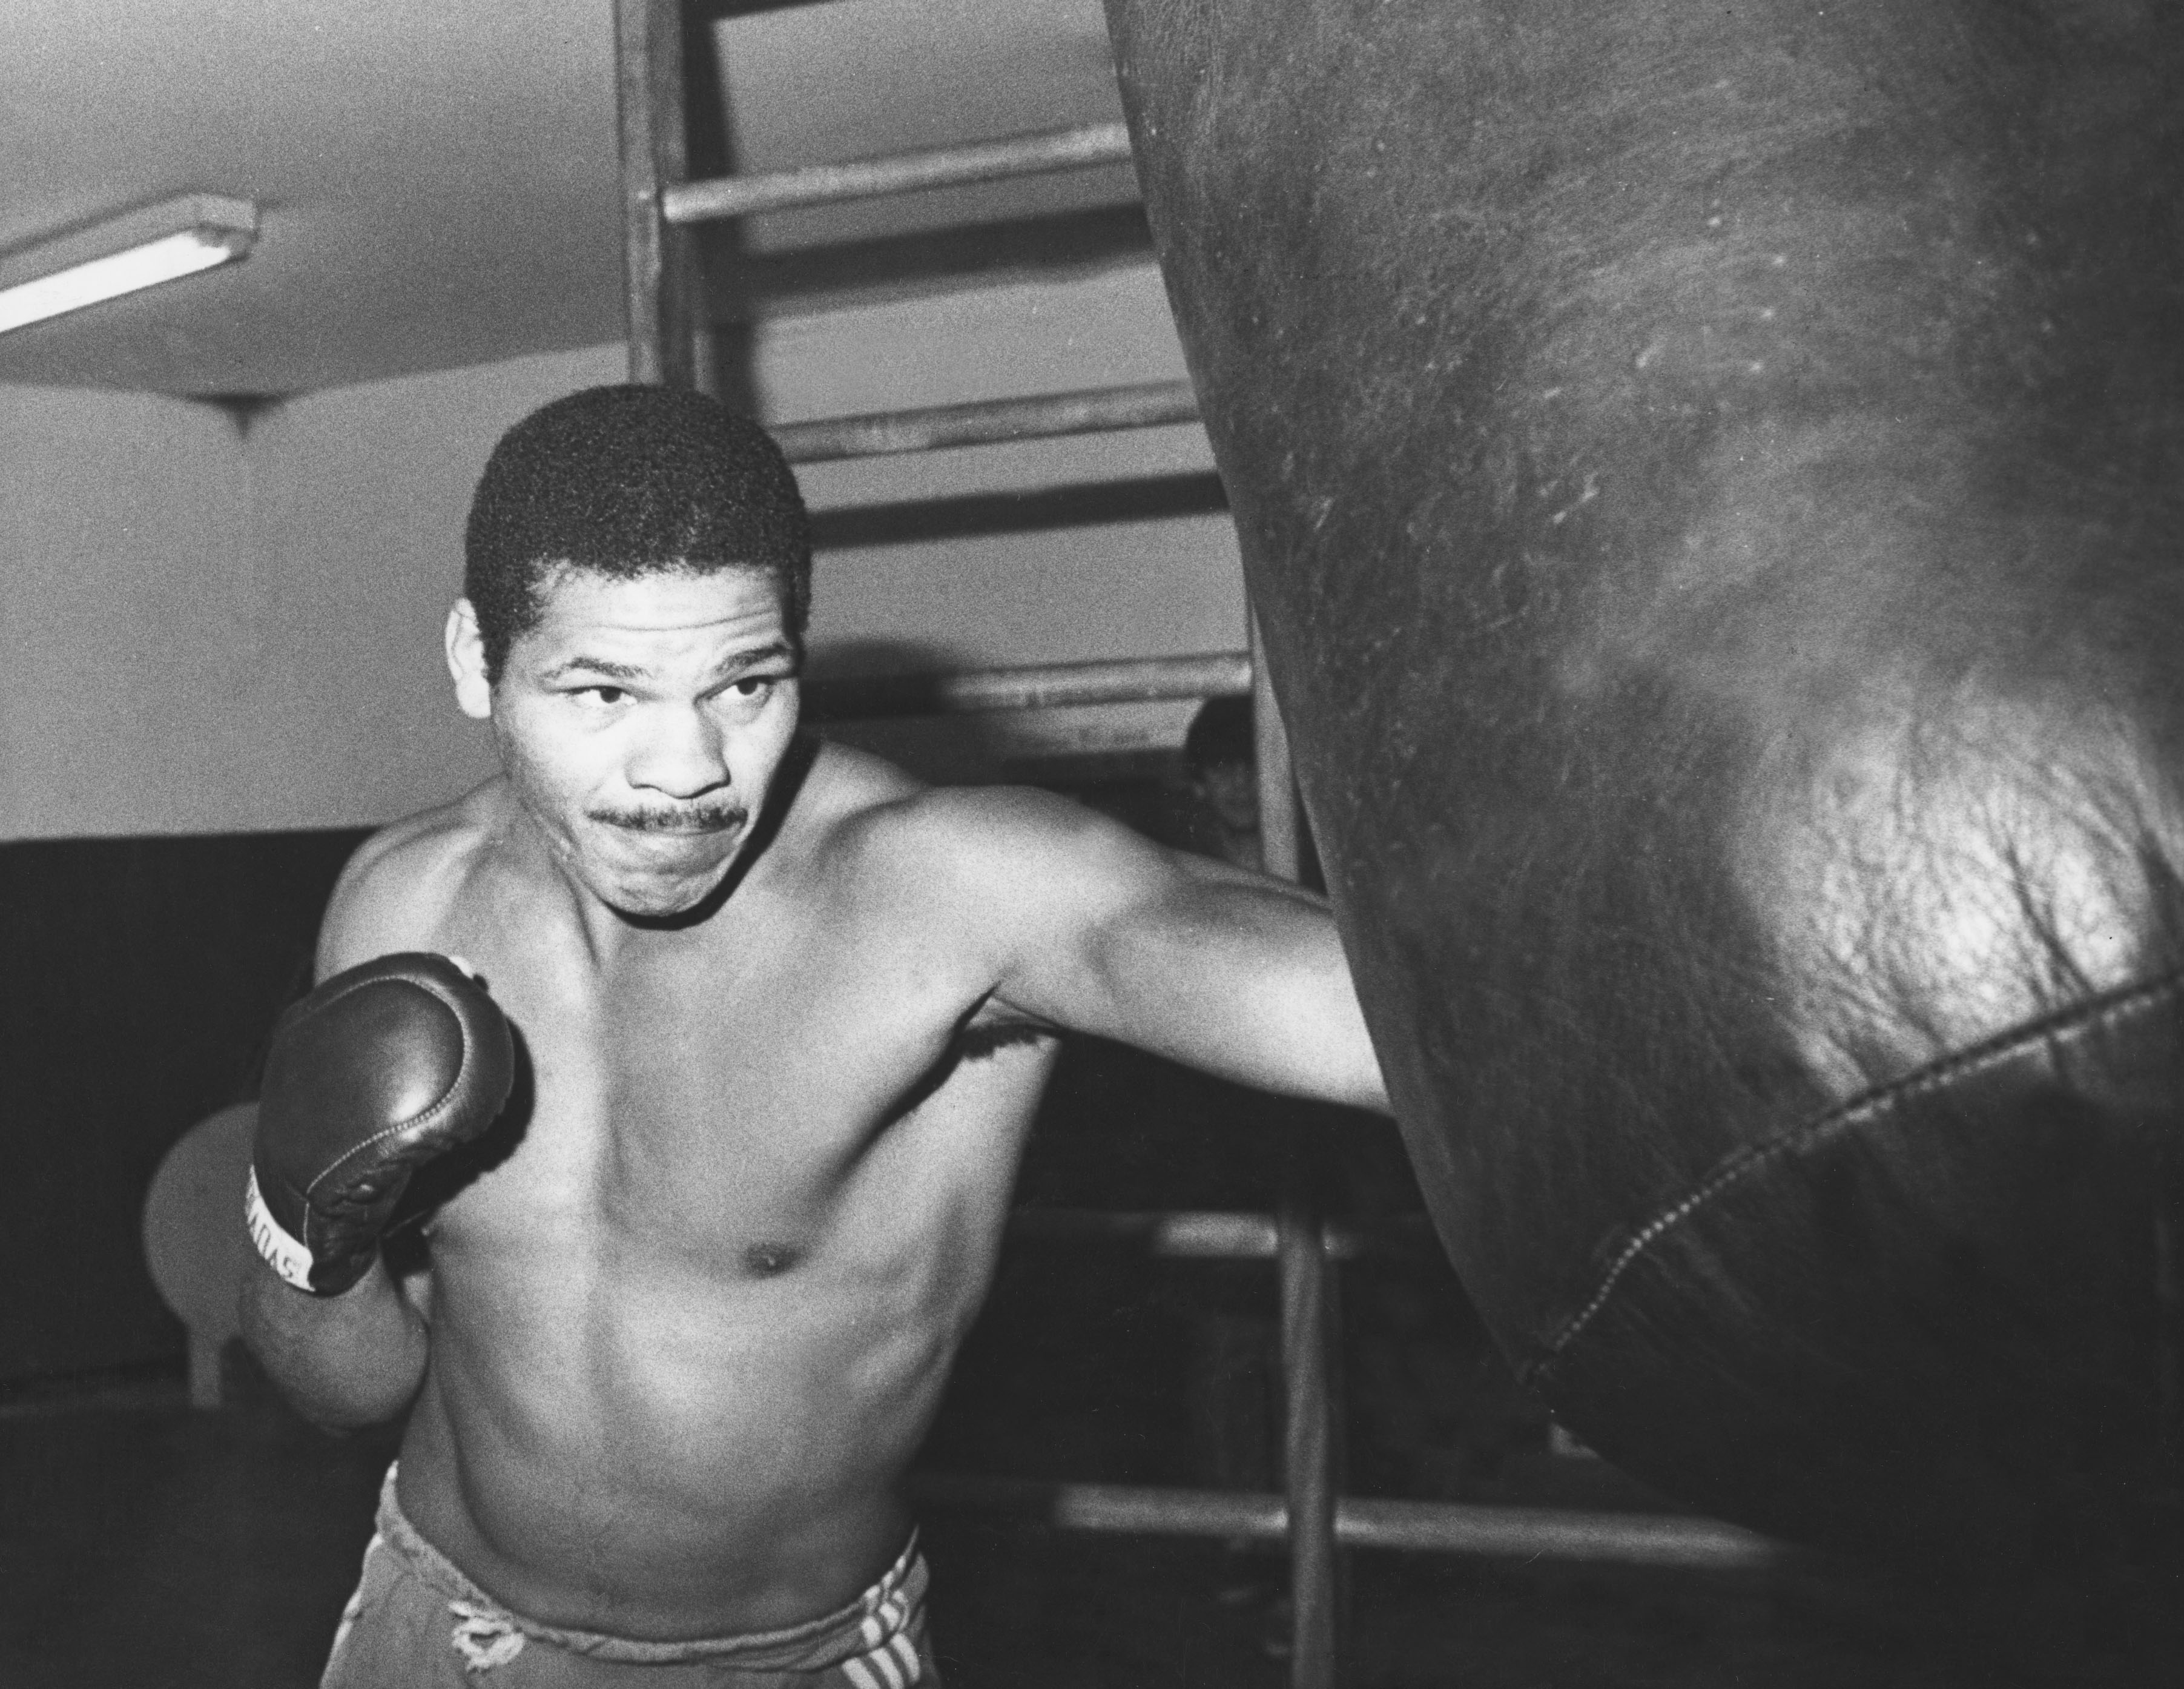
(613, 671)
(736, 663)
(779, 651)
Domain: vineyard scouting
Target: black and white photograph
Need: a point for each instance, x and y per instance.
(1092, 844)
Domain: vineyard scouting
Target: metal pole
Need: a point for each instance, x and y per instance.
(1153, 404)
(659, 282)
(1309, 1446)
(2169, 1324)
(1555, 1534)
(1018, 155)
(1306, 1336)
(1219, 1234)
(1581, 1536)
(1135, 680)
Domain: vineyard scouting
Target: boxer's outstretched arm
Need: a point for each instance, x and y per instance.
(1102, 931)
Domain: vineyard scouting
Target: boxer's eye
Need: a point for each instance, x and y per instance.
(750, 689)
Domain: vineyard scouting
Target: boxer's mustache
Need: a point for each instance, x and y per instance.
(700, 818)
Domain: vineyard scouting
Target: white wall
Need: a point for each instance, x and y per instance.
(1148, 588)
(128, 594)
(214, 628)
(1123, 589)
(359, 496)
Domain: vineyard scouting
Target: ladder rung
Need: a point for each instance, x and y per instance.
(1135, 1510)
(1369, 1522)
(1135, 680)
(1553, 1533)
(985, 422)
(1213, 1235)
(1017, 155)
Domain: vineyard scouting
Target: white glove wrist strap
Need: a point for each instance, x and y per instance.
(286, 1257)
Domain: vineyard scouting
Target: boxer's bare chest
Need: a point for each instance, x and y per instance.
(720, 1092)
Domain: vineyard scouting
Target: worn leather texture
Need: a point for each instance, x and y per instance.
(382, 1067)
(1711, 480)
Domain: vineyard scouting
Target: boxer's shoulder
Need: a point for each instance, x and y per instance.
(985, 834)
(398, 890)
(902, 854)
(844, 784)
(845, 805)
(980, 857)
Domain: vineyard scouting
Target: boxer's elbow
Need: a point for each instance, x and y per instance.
(1369, 1090)
(1349, 1073)
(1312, 1042)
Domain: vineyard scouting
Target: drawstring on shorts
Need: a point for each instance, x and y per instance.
(484, 1638)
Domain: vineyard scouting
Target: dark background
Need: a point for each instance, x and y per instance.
(143, 976)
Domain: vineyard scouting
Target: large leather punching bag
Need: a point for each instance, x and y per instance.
(1711, 480)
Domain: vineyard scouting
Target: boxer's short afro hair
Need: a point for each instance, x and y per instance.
(626, 481)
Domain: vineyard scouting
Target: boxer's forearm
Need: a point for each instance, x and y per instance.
(1249, 980)
(1240, 976)
(344, 1361)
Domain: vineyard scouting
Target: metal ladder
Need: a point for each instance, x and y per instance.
(668, 344)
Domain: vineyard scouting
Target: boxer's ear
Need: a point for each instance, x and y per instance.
(466, 662)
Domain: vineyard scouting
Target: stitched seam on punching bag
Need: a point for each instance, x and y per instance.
(2110, 1006)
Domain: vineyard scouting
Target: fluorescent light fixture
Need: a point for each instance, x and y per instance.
(139, 248)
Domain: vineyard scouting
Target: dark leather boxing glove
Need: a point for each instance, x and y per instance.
(380, 1069)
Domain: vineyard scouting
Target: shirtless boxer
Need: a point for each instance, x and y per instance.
(781, 1015)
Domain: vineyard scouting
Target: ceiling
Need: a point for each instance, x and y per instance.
(438, 181)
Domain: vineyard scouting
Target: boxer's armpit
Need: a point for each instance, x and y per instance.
(985, 1040)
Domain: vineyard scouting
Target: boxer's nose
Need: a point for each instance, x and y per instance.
(682, 756)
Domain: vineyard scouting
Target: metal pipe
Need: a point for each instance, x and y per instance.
(1199, 1236)
(1309, 1442)
(1116, 1509)
(875, 178)
(1213, 1235)
(2168, 1317)
(1554, 1534)
(1401, 1526)
(659, 277)
(1139, 680)
(985, 422)
(1306, 1296)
